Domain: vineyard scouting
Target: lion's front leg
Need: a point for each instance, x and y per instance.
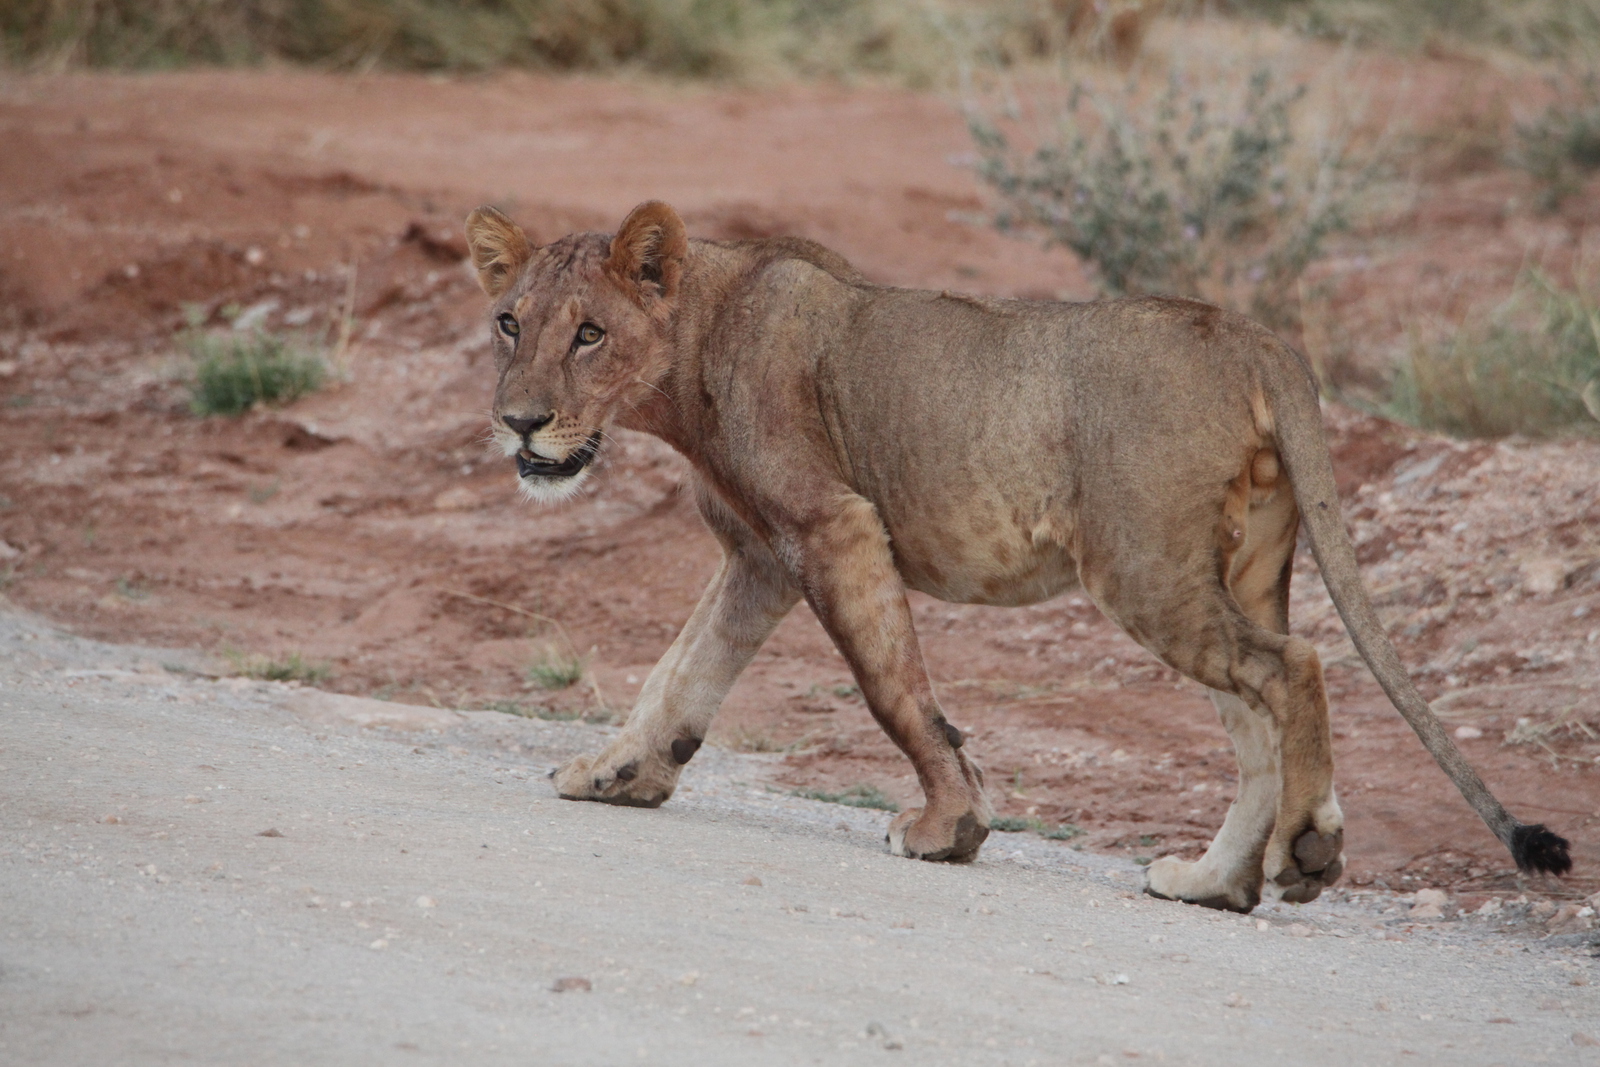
(850, 580)
(738, 611)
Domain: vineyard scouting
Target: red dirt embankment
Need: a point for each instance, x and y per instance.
(368, 529)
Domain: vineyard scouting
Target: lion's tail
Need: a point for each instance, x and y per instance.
(1297, 420)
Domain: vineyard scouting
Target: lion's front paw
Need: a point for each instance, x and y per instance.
(956, 839)
(1317, 862)
(619, 775)
(1197, 883)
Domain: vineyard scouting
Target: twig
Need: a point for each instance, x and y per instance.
(347, 321)
(1502, 687)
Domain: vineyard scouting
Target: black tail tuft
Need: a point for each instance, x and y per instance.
(1537, 849)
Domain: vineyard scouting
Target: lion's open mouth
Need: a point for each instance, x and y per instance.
(531, 465)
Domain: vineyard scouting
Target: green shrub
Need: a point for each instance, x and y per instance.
(1562, 147)
(1191, 191)
(291, 668)
(857, 796)
(233, 373)
(1065, 832)
(1014, 824)
(1530, 366)
(556, 670)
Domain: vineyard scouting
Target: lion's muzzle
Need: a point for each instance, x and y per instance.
(531, 465)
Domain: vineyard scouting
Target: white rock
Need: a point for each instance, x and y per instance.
(1468, 733)
(1543, 576)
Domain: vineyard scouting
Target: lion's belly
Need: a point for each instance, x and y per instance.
(968, 562)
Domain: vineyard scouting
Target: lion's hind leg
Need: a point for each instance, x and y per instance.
(1227, 629)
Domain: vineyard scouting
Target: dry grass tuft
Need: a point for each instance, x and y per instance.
(1529, 366)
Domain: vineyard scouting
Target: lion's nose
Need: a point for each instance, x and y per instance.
(523, 427)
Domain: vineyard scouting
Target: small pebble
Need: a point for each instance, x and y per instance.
(570, 984)
(1235, 1000)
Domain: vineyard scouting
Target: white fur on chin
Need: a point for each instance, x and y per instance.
(551, 490)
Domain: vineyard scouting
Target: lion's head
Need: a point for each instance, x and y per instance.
(579, 330)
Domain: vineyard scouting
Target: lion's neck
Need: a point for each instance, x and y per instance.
(677, 411)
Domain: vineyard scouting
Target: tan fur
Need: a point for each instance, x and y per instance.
(851, 441)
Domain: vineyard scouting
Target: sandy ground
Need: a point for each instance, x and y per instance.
(366, 529)
(222, 871)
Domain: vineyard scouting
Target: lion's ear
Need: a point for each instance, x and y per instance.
(499, 249)
(647, 254)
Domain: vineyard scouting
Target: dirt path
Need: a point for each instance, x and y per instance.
(365, 528)
(219, 871)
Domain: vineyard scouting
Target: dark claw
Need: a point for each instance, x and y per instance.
(684, 748)
(628, 771)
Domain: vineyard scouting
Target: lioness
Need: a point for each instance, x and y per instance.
(851, 440)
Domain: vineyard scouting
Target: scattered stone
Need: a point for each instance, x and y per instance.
(1430, 904)
(1468, 733)
(1571, 919)
(380, 944)
(112, 819)
(878, 1030)
(1262, 924)
(8, 552)
(1298, 930)
(689, 977)
(752, 880)
(1235, 1000)
(1583, 1040)
(192, 799)
(571, 984)
(271, 831)
(1502, 1019)
(426, 902)
(1382, 1004)
(1543, 576)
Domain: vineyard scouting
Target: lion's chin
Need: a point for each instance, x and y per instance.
(545, 489)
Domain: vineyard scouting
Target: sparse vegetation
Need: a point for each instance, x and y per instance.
(1529, 366)
(1562, 147)
(1064, 832)
(233, 373)
(1196, 190)
(913, 40)
(1538, 28)
(544, 712)
(556, 670)
(291, 668)
(1017, 824)
(857, 796)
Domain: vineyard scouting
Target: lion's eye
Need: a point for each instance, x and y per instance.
(508, 324)
(590, 334)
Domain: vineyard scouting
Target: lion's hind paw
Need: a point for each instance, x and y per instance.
(1318, 863)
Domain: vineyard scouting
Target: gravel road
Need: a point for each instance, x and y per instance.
(221, 871)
